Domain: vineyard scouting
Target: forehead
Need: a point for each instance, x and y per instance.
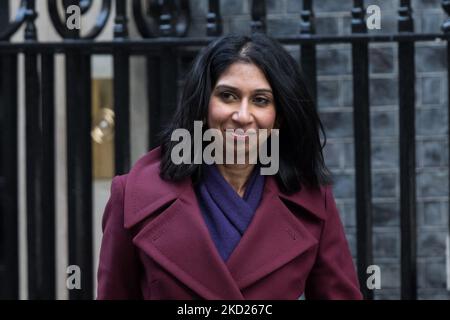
(244, 75)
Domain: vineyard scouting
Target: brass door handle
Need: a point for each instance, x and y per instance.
(103, 129)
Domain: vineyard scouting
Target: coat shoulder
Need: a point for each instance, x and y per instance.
(145, 190)
(314, 200)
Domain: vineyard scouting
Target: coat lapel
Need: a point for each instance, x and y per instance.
(177, 239)
(274, 237)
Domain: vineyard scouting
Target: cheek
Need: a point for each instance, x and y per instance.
(266, 118)
(217, 114)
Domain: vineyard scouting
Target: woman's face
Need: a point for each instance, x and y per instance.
(242, 99)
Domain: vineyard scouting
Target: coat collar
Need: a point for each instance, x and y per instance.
(146, 192)
(196, 262)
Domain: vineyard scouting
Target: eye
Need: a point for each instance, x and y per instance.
(262, 101)
(227, 96)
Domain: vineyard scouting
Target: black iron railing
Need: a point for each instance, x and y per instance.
(163, 26)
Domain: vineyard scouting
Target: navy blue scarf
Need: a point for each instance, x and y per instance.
(226, 214)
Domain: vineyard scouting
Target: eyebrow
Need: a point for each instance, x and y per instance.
(223, 86)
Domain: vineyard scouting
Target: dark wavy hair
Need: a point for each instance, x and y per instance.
(301, 160)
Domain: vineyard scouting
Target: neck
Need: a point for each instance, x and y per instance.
(236, 175)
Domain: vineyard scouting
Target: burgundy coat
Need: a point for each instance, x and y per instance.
(156, 245)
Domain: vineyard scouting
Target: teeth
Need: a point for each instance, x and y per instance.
(250, 131)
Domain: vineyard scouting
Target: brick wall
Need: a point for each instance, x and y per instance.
(335, 107)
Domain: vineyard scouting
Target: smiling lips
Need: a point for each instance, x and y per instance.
(239, 134)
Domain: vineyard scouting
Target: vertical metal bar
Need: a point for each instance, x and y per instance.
(40, 204)
(213, 19)
(79, 169)
(9, 244)
(33, 176)
(162, 79)
(446, 29)
(258, 23)
(79, 165)
(4, 14)
(121, 94)
(308, 51)
(48, 176)
(407, 155)
(40, 176)
(169, 84)
(154, 99)
(361, 124)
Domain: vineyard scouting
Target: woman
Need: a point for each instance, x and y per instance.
(183, 230)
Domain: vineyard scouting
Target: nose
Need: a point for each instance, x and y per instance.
(243, 115)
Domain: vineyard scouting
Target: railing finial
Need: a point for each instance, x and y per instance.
(307, 24)
(166, 21)
(121, 20)
(446, 24)
(213, 19)
(358, 15)
(30, 17)
(405, 19)
(258, 23)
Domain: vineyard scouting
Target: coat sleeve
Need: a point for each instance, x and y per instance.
(333, 275)
(119, 266)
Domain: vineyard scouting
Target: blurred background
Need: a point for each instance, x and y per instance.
(80, 105)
